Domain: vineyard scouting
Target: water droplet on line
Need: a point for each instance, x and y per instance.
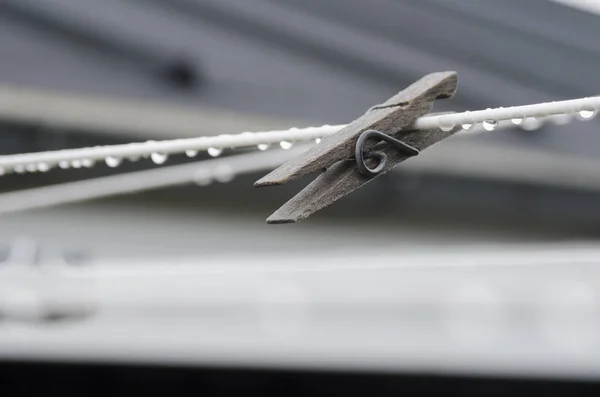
(214, 152)
(467, 122)
(20, 169)
(87, 163)
(263, 146)
(30, 168)
(159, 158)
(191, 153)
(285, 145)
(318, 140)
(531, 124)
(490, 125)
(587, 114)
(2, 171)
(445, 124)
(112, 161)
(64, 164)
(133, 159)
(76, 163)
(43, 167)
(517, 120)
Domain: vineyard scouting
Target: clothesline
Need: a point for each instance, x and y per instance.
(158, 151)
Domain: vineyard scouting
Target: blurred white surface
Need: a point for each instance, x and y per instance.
(194, 289)
(591, 6)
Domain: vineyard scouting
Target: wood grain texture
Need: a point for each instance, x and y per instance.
(398, 112)
(343, 178)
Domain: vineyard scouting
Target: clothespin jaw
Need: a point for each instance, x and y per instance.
(364, 149)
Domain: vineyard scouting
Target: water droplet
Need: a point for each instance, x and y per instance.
(159, 158)
(203, 177)
(30, 168)
(43, 167)
(490, 125)
(20, 169)
(2, 171)
(467, 122)
(531, 124)
(87, 163)
(133, 159)
(587, 114)
(223, 173)
(517, 120)
(214, 151)
(112, 161)
(64, 164)
(318, 140)
(446, 124)
(285, 145)
(191, 153)
(76, 163)
(263, 146)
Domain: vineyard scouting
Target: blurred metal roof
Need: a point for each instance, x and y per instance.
(313, 60)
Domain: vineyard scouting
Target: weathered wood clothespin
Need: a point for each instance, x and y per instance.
(366, 148)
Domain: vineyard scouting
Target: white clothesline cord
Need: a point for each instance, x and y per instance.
(202, 173)
(158, 151)
(585, 108)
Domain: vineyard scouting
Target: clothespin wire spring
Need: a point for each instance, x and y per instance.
(361, 154)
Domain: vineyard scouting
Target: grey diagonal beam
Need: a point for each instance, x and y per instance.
(123, 117)
(389, 63)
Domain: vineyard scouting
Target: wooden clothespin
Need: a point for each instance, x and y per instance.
(363, 150)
